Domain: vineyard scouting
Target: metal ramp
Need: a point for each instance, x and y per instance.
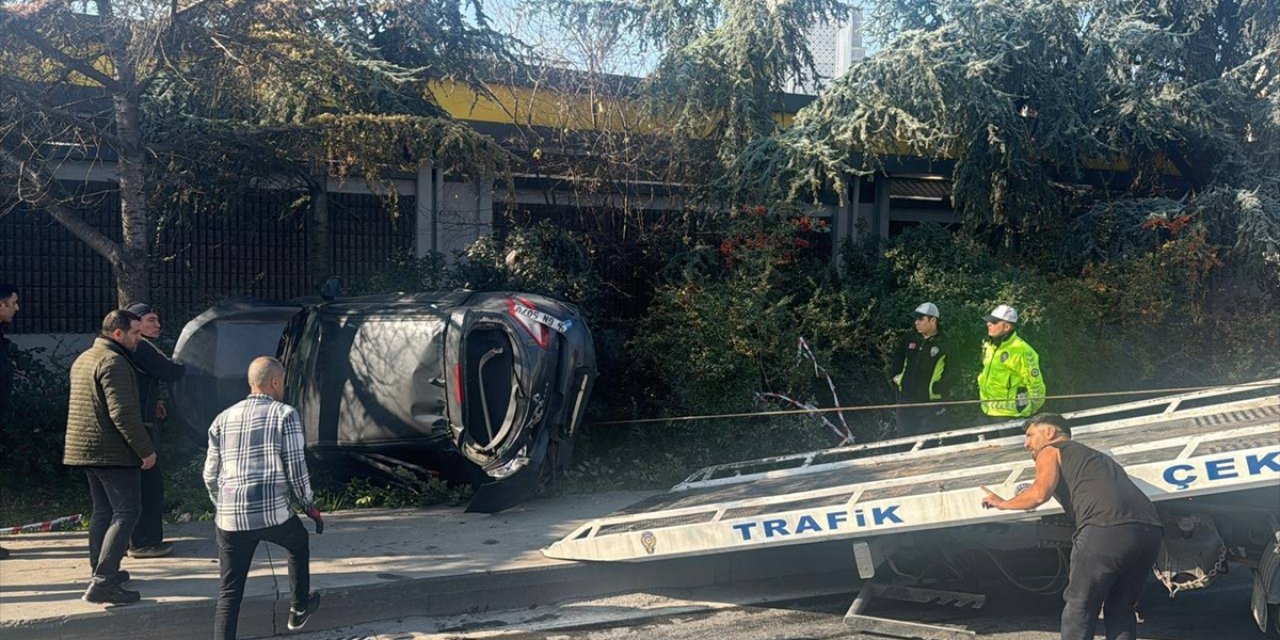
(1221, 440)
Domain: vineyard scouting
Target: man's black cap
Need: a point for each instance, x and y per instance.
(140, 309)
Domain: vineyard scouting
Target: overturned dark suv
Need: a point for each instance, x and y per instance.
(487, 387)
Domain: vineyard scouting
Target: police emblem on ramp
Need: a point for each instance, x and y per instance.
(649, 541)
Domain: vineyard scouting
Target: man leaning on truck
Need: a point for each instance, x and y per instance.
(1118, 532)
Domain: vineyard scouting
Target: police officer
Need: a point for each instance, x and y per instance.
(1118, 531)
(920, 373)
(1011, 384)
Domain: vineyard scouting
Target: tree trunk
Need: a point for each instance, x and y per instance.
(133, 272)
(320, 253)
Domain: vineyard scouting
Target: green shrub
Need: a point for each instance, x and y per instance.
(31, 440)
(406, 272)
(726, 323)
(541, 259)
(1135, 295)
(1138, 313)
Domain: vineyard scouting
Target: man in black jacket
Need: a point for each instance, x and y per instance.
(153, 368)
(8, 309)
(921, 374)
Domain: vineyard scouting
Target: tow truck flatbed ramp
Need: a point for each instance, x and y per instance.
(1214, 441)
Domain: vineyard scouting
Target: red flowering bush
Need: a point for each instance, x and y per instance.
(781, 235)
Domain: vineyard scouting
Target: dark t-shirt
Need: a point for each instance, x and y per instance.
(1095, 490)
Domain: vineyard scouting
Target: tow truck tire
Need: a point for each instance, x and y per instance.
(1266, 588)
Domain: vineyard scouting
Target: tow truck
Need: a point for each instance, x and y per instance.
(1209, 459)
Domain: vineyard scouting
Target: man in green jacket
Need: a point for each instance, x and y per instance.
(106, 438)
(1011, 384)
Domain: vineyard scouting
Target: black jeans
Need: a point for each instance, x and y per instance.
(1109, 566)
(150, 529)
(116, 505)
(235, 554)
(917, 420)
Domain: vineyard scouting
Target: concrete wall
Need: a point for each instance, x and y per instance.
(451, 214)
(59, 349)
(465, 213)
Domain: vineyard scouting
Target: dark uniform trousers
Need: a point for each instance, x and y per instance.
(913, 421)
(149, 531)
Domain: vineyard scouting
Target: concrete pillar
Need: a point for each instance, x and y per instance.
(427, 196)
(881, 210)
(844, 220)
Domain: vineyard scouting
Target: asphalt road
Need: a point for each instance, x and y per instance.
(1220, 613)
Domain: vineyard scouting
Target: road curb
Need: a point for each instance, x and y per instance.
(392, 597)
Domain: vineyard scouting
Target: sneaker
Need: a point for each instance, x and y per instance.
(119, 577)
(110, 594)
(299, 618)
(154, 551)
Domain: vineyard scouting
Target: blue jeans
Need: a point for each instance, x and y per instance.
(1109, 566)
(117, 503)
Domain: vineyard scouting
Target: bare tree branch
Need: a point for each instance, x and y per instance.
(47, 48)
(82, 230)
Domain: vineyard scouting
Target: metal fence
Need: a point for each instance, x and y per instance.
(259, 248)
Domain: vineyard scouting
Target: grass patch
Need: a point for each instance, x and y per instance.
(66, 494)
(406, 490)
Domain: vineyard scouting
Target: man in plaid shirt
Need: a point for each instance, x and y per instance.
(255, 464)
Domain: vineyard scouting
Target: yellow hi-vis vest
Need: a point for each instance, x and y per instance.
(1011, 384)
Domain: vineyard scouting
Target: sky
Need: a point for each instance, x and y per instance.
(530, 21)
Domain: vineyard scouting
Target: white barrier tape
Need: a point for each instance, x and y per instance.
(47, 525)
(845, 438)
(802, 348)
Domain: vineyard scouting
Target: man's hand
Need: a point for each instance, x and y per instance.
(991, 500)
(314, 514)
(162, 412)
(148, 462)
